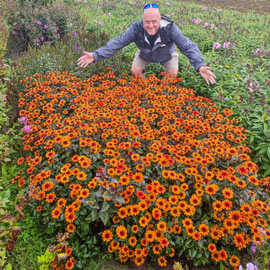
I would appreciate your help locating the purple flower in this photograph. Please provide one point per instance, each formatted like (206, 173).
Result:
(253, 249)
(216, 46)
(13, 32)
(46, 26)
(101, 23)
(168, 4)
(76, 47)
(27, 128)
(226, 45)
(240, 267)
(95, 21)
(74, 33)
(212, 26)
(23, 120)
(42, 38)
(262, 230)
(251, 266)
(38, 22)
(4, 98)
(206, 24)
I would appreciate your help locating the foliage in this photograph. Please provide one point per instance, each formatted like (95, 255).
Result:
(146, 166)
(35, 24)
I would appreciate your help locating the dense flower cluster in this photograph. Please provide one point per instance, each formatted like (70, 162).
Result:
(174, 170)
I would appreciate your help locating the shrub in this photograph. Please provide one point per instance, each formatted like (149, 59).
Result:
(36, 24)
(146, 166)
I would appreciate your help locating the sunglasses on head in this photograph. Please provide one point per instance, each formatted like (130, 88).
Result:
(150, 5)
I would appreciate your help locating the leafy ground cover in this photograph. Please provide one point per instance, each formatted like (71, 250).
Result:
(233, 43)
(256, 7)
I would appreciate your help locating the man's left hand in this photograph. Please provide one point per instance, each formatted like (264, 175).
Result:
(208, 76)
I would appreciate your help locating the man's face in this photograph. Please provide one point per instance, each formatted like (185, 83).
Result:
(151, 20)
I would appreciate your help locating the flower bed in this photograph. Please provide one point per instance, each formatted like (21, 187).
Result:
(166, 172)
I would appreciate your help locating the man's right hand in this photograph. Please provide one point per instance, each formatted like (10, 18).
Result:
(86, 59)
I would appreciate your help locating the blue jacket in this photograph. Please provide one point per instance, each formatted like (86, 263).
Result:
(169, 35)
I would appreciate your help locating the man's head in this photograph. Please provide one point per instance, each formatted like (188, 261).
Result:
(151, 20)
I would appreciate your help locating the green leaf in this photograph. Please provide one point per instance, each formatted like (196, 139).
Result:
(104, 216)
(192, 253)
(120, 199)
(105, 207)
(94, 215)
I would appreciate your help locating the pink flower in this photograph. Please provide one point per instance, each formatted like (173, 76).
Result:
(226, 45)
(38, 22)
(197, 21)
(110, 14)
(206, 24)
(95, 21)
(46, 26)
(36, 40)
(216, 46)
(27, 128)
(168, 4)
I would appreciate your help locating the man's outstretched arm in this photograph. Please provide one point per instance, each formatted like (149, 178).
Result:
(191, 50)
(109, 49)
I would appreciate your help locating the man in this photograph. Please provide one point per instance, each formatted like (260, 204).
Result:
(156, 36)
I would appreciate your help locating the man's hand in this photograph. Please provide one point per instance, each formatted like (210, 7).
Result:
(208, 76)
(86, 59)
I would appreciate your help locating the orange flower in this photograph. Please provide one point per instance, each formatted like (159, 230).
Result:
(56, 212)
(50, 197)
(234, 261)
(212, 247)
(227, 193)
(211, 189)
(121, 232)
(223, 255)
(81, 176)
(164, 242)
(84, 193)
(70, 227)
(132, 241)
(107, 236)
(162, 226)
(47, 186)
(162, 261)
(138, 177)
(203, 229)
(215, 256)
(70, 217)
(150, 236)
